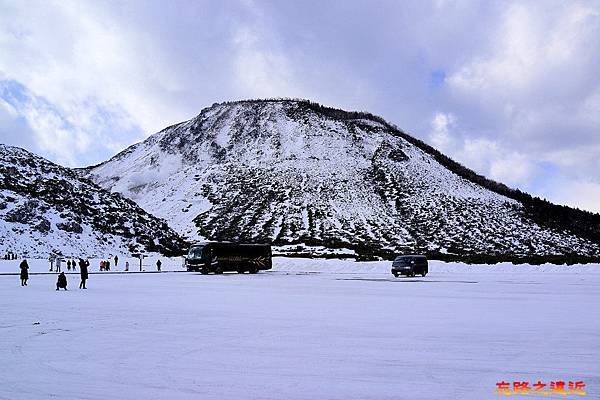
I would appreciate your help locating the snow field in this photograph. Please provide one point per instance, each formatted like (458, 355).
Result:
(308, 329)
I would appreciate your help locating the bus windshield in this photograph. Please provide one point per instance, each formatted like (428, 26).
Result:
(195, 252)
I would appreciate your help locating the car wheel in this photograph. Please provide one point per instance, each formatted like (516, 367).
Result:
(240, 271)
(254, 270)
(204, 271)
(218, 270)
(395, 275)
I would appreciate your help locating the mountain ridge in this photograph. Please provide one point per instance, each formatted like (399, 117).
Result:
(232, 144)
(47, 208)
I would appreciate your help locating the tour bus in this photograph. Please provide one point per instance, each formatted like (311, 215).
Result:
(219, 257)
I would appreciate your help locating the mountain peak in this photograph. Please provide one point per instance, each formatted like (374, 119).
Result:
(294, 172)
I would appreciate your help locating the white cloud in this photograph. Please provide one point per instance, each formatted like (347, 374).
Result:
(260, 70)
(51, 131)
(93, 71)
(497, 162)
(530, 47)
(589, 109)
(512, 168)
(440, 131)
(10, 110)
(532, 94)
(485, 156)
(580, 194)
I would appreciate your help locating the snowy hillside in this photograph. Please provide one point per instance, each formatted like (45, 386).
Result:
(45, 207)
(292, 172)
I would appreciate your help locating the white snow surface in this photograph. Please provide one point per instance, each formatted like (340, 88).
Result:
(308, 329)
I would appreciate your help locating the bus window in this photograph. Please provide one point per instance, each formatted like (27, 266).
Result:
(195, 252)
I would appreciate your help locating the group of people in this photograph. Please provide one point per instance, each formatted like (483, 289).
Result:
(56, 263)
(61, 283)
(105, 264)
(10, 256)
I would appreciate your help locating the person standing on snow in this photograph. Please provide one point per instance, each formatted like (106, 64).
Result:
(116, 261)
(83, 268)
(61, 283)
(58, 260)
(51, 259)
(158, 264)
(126, 265)
(68, 265)
(24, 272)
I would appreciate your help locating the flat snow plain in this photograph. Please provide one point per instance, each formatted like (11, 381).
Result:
(308, 329)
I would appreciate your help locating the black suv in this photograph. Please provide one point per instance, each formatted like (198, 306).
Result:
(410, 265)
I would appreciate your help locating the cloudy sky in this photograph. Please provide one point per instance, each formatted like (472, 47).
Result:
(509, 89)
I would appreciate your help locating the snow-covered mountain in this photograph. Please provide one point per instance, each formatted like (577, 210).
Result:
(45, 207)
(293, 172)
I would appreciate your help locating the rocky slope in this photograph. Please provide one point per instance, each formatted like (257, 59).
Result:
(311, 178)
(45, 207)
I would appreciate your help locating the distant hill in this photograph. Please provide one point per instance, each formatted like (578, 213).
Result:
(293, 172)
(45, 207)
